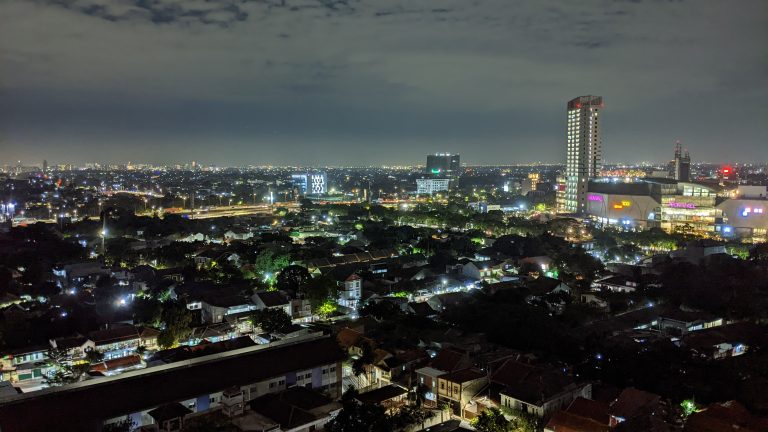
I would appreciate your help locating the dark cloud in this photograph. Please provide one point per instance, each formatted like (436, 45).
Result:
(375, 81)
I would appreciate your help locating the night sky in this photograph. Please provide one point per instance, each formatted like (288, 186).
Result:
(370, 82)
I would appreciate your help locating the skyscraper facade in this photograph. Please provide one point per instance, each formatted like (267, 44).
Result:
(584, 157)
(444, 165)
(682, 164)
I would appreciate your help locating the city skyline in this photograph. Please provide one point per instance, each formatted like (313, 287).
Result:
(363, 83)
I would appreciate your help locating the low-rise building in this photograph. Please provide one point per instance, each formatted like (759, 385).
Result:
(198, 384)
(456, 389)
(536, 390)
(390, 397)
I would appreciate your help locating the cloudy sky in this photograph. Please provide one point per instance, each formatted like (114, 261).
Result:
(237, 82)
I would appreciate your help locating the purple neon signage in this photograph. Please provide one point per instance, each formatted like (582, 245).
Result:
(593, 197)
(674, 204)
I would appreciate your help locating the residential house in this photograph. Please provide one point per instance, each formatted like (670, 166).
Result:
(441, 302)
(725, 341)
(633, 404)
(350, 286)
(213, 332)
(488, 270)
(115, 342)
(148, 338)
(215, 307)
(549, 292)
(353, 341)
(593, 299)
(450, 360)
(422, 309)
(616, 283)
(24, 364)
(456, 389)
(81, 272)
(396, 366)
(74, 347)
(169, 417)
(194, 237)
(678, 322)
(272, 300)
(209, 257)
(427, 380)
(301, 310)
(297, 409)
(543, 263)
(536, 390)
(390, 397)
(231, 235)
(409, 274)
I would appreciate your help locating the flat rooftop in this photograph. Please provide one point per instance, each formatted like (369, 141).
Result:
(84, 406)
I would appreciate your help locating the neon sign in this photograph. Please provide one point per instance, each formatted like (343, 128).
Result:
(596, 198)
(749, 210)
(674, 204)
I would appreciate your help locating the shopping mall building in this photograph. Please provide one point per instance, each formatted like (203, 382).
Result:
(677, 206)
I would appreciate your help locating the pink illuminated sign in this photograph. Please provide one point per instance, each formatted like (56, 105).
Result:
(682, 205)
(597, 198)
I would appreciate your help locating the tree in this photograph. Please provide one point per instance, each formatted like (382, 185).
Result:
(357, 417)
(177, 320)
(491, 420)
(147, 311)
(267, 264)
(66, 374)
(366, 358)
(271, 320)
(521, 421)
(319, 291)
(292, 277)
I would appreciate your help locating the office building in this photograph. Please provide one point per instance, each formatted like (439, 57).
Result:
(445, 165)
(311, 183)
(681, 165)
(584, 156)
(429, 186)
(531, 184)
(560, 193)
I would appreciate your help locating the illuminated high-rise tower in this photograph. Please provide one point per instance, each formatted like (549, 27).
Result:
(682, 164)
(444, 165)
(585, 154)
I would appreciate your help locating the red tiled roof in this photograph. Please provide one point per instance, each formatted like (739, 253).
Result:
(448, 360)
(348, 338)
(591, 409)
(724, 417)
(122, 362)
(564, 421)
(464, 375)
(115, 334)
(633, 402)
